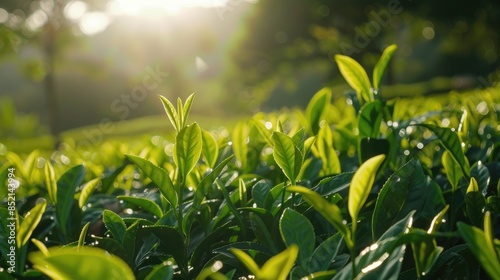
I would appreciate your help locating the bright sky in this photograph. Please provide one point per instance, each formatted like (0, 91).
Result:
(93, 22)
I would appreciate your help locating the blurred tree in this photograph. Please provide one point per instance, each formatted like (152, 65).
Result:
(284, 37)
(42, 23)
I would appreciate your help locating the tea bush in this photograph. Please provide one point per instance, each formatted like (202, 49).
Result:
(361, 187)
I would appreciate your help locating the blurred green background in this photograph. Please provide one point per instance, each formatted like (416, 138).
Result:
(67, 64)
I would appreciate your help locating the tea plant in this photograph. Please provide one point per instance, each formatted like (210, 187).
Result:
(389, 191)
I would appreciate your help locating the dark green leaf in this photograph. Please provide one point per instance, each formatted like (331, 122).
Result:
(114, 224)
(403, 192)
(449, 139)
(369, 119)
(208, 181)
(325, 253)
(66, 186)
(296, 229)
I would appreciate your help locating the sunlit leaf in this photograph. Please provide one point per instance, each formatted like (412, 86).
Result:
(161, 271)
(146, 204)
(240, 143)
(316, 108)
(381, 66)
(331, 212)
(171, 113)
(186, 109)
(452, 169)
(287, 155)
(355, 76)
(249, 263)
(278, 267)
(210, 149)
(87, 191)
(29, 223)
(83, 234)
(50, 182)
(481, 248)
(361, 185)
(69, 264)
(158, 176)
(326, 151)
(187, 151)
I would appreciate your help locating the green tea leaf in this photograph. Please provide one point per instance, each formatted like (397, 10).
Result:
(87, 191)
(361, 185)
(287, 155)
(187, 151)
(210, 149)
(68, 263)
(316, 108)
(161, 271)
(382, 64)
(331, 212)
(50, 182)
(146, 204)
(355, 76)
(449, 139)
(158, 176)
(370, 147)
(83, 234)
(474, 202)
(66, 186)
(249, 263)
(29, 223)
(171, 113)
(263, 131)
(425, 250)
(402, 193)
(115, 224)
(208, 181)
(452, 170)
(171, 241)
(480, 247)
(326, 151)
(279, 266)
(370, 118)
(296, 229)
(325, 253)
(186, 109)
(240, 144)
